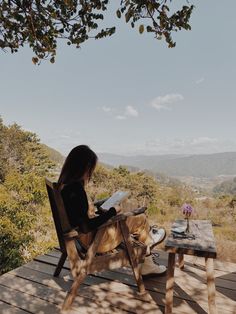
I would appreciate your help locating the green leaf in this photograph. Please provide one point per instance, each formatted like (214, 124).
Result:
(35, 60)
(118, 13)
(128, 15)
(141, 29)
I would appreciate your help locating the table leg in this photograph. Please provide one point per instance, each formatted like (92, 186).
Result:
(210, 285)
(181, 261)
(170, 283)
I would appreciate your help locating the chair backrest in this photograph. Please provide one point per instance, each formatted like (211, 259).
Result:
(59, 214)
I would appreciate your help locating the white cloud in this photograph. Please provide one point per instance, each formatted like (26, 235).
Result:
(198, 145)
(203, 140)
(165, 102)
(199, 81)
(165, 146)
(120, 117)
(106, 109)
(131, 111)
(64, 136)
(68, 134)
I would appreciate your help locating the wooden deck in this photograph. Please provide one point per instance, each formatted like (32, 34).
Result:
(32, 289)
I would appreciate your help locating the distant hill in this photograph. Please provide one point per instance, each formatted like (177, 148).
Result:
(209, 165)
(54, 155)
(226, 187)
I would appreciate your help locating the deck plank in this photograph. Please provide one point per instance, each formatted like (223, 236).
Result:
(9, 309)
(113, 292)
(26, 302)
(195, 289)
(218, 265)
(56, 293)
(33, 289)
(56, 296)
(104, 291)
(158, 290)
(193, 295)
(95, 283)
(119, 287)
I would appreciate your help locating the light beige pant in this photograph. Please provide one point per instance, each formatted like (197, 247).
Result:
(112, 237)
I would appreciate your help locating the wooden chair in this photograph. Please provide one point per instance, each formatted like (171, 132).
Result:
(83, 263)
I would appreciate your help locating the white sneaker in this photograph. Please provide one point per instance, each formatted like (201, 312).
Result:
(151, 268)
(157, 235)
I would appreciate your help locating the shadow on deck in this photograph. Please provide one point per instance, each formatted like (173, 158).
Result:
(33, 289)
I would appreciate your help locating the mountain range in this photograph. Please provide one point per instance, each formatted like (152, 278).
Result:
(204, 165)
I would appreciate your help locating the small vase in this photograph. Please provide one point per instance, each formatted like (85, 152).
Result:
(187, 227)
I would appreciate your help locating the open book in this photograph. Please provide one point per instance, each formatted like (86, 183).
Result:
(115, 199)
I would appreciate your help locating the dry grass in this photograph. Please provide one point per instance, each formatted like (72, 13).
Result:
(226, 250)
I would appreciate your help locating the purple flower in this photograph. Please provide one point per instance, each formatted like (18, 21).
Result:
(187, 210)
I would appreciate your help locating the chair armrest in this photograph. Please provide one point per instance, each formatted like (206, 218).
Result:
(123, 216)
(135, 212)
(112, 220)
(71, 234)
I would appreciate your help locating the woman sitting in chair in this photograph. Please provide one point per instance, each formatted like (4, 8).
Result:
(75, 174)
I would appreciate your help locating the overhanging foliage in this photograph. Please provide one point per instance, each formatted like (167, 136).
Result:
(40, 23)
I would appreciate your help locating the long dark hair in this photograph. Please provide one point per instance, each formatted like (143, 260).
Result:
(80, 160)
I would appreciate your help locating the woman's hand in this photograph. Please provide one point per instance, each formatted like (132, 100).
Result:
(118, 209)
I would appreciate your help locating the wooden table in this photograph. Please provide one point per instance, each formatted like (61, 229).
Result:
(203, 246)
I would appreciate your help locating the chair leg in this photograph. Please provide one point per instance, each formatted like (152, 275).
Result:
(73, 291)
(138, 277)
(60, 264)
(133, 261)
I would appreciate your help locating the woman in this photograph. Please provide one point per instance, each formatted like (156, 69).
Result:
(75, 174)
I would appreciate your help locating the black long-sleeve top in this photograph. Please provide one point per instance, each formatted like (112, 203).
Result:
(76, 205)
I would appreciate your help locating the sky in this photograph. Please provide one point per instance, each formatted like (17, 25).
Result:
(131, 94)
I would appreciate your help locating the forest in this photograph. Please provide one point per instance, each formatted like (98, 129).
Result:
(26, 225)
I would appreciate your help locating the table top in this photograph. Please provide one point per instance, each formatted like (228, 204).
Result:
(203, 244)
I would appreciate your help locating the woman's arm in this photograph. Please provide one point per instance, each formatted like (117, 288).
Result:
(98, 205)
(76, 205)
(87, 224)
